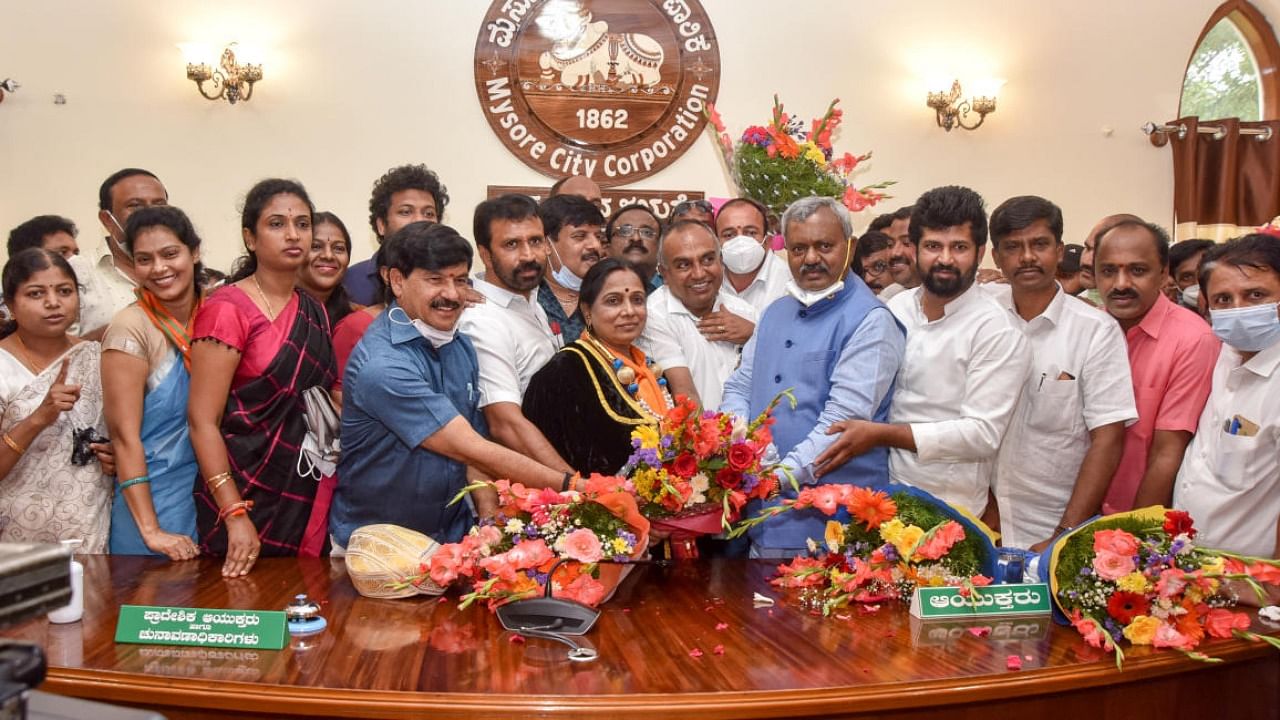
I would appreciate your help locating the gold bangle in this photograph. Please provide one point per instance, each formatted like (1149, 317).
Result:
(217, 481)
(13, 445)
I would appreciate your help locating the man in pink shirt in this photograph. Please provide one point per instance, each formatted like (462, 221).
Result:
(1172, 352)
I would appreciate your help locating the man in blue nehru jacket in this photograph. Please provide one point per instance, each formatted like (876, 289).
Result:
(836, 347)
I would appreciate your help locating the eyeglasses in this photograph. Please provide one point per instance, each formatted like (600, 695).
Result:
(626, 231)
(687, 205)
(876, 268)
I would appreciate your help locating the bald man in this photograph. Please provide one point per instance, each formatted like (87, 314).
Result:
(579, 185)
(1087, 281)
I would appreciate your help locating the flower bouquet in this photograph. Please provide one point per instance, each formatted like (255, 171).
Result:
(695, 471)
(780, 163)
(895, 542)
(511, 555)
(1139, 576)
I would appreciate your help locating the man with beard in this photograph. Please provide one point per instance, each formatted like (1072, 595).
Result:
(837, 348)
(752, 272)
(632, 234)
(1171, 356)
(575, 228)
(966, 363)
(1067, 432)
(902, 257)
(510, 330)
(695, 365)
(412, 430)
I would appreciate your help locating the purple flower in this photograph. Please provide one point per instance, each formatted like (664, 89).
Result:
(890, 552)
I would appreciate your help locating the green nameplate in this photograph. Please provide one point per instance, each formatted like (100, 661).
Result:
(1010, 599)
(202, 627)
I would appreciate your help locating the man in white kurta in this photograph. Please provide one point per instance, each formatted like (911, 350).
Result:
(510, 331)
(1230, 476)
(964, 367)
(689, 257)
(1067, 433)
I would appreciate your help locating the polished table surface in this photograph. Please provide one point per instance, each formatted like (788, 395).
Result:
(674, 641)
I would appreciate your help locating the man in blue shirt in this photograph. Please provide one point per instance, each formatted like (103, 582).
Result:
(836, 347)
(412, 430)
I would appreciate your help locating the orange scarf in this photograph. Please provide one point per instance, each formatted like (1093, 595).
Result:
(649, 391)
(165, 322)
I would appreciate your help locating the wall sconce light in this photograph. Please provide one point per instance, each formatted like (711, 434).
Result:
(230, 79)
(951, 110)
(8, 85)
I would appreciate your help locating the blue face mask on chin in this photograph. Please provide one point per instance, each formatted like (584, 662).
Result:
(1248, 329)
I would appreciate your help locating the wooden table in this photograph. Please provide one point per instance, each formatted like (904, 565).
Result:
(422, 656)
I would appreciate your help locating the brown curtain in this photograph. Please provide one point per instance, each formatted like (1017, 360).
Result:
(1227, 184)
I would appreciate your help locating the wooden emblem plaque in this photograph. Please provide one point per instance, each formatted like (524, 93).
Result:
(610, 89)
(661, 202)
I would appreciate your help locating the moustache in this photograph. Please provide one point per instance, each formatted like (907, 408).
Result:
(944, 268)
(1122, 295)
(1037, 268)
(636, 245)
(899, 260)
(532, 266)
(590, 255)
(443, 304)
(815, 267)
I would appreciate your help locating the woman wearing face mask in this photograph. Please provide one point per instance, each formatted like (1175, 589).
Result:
(589, 397)
(259, 346)
(51, 486)
(145, 380)
(1230, 476)
(322, 272)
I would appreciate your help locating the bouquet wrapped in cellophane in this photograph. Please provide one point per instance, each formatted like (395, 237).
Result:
(695, 471)
(1139, 576)
(893, 543)
(511, 555)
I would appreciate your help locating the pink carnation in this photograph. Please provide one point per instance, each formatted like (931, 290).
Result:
(1111, 565)
(583, 545)
(584, 589)
(1167, 636)
(1089, 629)
(1172, 582)
(1116, 541)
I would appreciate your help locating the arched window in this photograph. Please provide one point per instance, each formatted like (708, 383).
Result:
(1232, 72)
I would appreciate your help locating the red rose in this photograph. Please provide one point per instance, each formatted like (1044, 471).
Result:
(729, 478)
(1125, 606)
(1177, 522)
(685, 466)
(741, 456)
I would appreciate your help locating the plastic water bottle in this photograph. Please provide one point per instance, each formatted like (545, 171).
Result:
(75, 609)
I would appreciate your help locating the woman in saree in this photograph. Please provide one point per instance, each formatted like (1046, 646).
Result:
(259, 346)
(52, 487)
(146, 356)
(594, 392)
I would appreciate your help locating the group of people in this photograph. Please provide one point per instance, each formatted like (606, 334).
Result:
(150, 406)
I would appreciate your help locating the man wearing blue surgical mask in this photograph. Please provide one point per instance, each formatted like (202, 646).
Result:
(1230, 478)
(575, 228)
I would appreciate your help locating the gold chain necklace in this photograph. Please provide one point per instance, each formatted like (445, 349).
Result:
(271, 313)
(26, 355)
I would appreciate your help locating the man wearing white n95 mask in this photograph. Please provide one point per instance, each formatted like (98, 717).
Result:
(1230, 476)
(752, 272)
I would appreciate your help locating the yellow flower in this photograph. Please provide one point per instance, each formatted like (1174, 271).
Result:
(1142, 630)
(906, 542)
(1134, 582)
(648, 435)
(644, 481)
(834, 535)
(890, 531)
(1214, 566)
(814, 153)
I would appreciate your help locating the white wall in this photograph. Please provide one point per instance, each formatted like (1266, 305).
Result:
(354, 88)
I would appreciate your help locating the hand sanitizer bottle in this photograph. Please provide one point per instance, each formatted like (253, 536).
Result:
(75, 610)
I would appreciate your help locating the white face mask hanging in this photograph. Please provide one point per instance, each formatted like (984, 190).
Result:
(437, 337)
(564, 276)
